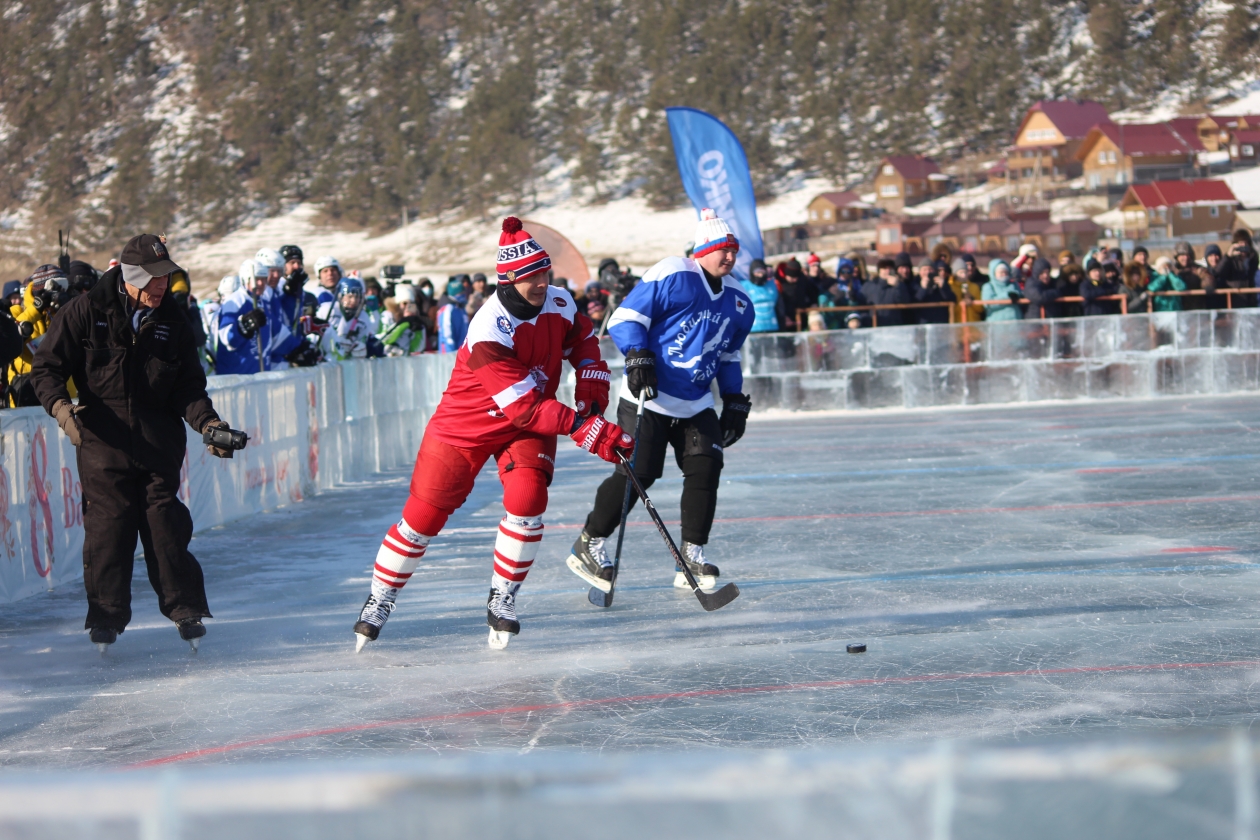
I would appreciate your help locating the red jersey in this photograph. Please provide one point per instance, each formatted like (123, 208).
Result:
(507, 372)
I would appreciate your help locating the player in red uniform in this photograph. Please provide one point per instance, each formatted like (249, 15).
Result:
(501, 403)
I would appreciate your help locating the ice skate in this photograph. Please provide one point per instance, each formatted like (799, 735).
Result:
(103, 637)
(706, 574)
(501, 616)
(373, 617)
(191, 630)
(590, 562)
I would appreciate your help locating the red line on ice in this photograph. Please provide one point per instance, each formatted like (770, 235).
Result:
(681, 695)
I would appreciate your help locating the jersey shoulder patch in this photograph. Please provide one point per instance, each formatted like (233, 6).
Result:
(560, 302)
(492, 323)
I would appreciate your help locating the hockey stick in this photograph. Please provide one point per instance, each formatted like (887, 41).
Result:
(709, 600)
(597, 596)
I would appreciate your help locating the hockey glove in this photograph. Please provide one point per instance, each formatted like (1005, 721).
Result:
(294, 282)
(598, 436)
(641, 373)
(251, 321)
(44, 298)
(735, 409)
(305, 354)
(66, 412)
(590, 395)
(216, 451)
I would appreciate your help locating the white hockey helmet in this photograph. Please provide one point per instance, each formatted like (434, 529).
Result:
(269, 257)
(326, 262)
(229, 284)
(251, 268)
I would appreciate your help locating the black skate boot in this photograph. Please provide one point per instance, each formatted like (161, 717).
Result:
(373, 617)
(706, 574)
(590, 562)
(501, 616)
(103, 637)
(191, 630)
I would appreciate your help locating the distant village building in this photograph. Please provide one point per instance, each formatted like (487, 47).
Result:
(1230, 129)
(1203, 128)
(905, 180)
(835, 207)
(1243, 147)
(1170, 210)
(1048, 137)
(1112, 153)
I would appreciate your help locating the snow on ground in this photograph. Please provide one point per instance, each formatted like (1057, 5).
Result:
(1246, 185)
(626, 229)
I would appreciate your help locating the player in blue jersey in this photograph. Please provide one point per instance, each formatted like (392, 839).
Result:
(680, 328)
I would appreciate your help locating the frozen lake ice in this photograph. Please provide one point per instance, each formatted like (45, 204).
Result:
(1029, 575)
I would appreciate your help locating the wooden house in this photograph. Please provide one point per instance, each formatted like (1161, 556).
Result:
(905, 180)
(1048, 137)
(1168, 210)
(1243, 147)
(831, 208)
(1112, 153)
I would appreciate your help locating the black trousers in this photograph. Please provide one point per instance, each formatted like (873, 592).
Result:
(122, 501)
(697, 445)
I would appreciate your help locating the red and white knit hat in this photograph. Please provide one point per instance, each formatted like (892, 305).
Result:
(520, 255)
(713, 234)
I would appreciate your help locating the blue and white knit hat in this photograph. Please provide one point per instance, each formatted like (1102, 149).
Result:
(713, 234)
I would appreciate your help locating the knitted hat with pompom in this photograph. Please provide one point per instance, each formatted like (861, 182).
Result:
(713, 234)
(520, 255)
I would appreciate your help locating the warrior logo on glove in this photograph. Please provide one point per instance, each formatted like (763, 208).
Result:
(590, 395)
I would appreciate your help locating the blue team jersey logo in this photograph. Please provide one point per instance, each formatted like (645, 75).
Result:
(699, 343)
(504, 323)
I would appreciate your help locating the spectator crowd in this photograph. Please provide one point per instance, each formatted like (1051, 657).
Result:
(272, 314)
(793, 297)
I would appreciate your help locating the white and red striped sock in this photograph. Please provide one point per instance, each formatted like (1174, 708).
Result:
(399, 554)
(515, 549)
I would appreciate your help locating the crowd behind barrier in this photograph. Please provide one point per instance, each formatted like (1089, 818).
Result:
(310, 429)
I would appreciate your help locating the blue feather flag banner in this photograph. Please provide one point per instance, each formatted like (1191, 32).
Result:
(715, 174)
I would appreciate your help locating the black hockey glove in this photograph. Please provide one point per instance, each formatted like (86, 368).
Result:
(735, 408)
(641, 373)
(294, 282)
(304, 355)
(251, 321)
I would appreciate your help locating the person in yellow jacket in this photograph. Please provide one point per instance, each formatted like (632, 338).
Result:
(966, 289)
(45, 290)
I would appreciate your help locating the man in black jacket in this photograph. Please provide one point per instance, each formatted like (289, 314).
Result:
(134, 359)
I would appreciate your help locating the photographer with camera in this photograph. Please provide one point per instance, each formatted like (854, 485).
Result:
(1237, 269)
(47, 289)
(134, 356)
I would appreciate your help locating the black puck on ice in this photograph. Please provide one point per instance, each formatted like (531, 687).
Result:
(856, 647)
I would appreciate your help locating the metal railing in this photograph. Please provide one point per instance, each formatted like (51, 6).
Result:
(802, 315)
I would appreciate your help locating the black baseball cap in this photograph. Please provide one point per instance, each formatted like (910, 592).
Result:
(145, 257)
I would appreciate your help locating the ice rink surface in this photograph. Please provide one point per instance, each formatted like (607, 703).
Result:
(1019, 575)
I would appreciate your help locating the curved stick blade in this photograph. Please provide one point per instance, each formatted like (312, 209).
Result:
(599, 597)
(716, 600)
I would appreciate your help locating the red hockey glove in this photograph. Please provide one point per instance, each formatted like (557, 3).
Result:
(590, 396)
(604, 439)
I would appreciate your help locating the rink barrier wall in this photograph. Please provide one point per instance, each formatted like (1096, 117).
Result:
(1200, 785)
(310, 430)
(1106, 357)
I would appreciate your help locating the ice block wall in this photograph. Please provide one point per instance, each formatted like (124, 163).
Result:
(1134, 356)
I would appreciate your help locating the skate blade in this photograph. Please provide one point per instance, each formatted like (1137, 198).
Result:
(576, 567)
(359, 641)
(707, 583)
(499, 639)
(102, 647)
(193, 643)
